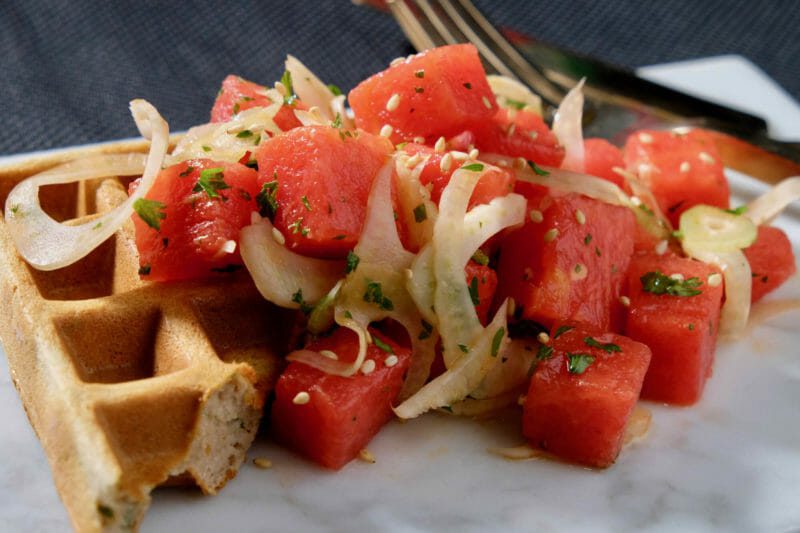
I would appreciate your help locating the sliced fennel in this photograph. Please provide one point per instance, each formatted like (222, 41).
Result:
(710, 228)
(568, 128)
(767, 206)
(512, 94)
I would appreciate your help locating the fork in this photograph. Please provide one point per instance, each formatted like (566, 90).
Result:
(607, 114)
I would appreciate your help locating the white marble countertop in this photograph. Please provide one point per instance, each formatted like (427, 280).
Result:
(732, 463)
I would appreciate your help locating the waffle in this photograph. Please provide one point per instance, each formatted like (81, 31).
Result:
(130, 384)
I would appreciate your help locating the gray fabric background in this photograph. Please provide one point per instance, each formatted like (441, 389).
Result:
(70, 67)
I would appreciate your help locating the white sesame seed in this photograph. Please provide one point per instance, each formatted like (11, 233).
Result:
(580, 217)
(543, 337)
(366, 456)
(301, 398)
(278, 236)
(579, 272)
(676, 276)
(229, 247)
(512, 306)
(646, 138)
(624, 300)
(368, 337)
(661, 247)
(446, 163)
(714, 280)
(533, 134)
(262, 463)
(281, 88)
(550, 235)
(511, 129)
(396, 61)
(412, 161)
(705, 157)
(644, 169)
(391, 361)
(520, 163)
(409, 273)
(536, 216)
(393, 102)
(636, 201)
(368, 367)
(512, 114)
(386, 131)
(487, 103)
(685, 167)
(419, 140)
(329, 354)
(459, 156)
(440, 146)
(473, 154)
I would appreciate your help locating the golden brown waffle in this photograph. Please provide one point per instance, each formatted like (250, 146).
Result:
(131, 384)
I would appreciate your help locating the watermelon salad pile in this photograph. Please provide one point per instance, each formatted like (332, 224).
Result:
(448, 250)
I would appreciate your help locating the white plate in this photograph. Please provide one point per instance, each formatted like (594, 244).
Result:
(730, 463)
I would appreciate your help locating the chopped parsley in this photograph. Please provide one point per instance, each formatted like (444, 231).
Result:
(267, 199)
(464, 348)
(186, 172)
(244, 134)
(496, 340)
(306, 204)
(468, 86)
(150, 211)
(374, 294)
(658, 283)
(420, 74)
(537, 169)
(348, 314)
(105, 510)
(236, 108)
(544, 352)
(98, 225)
(516, 104)
(646, 209)
(577, 363)
(206, 148)
(419, 90)
(351, 263)
(15, 209)
(420, 213)
(427, 330)
(480, 257)
(473, 292)
(474, 167)
(561, 330)
(741, 210)
(691, 327)
(144, 270)
(298, 299)
(606, 347)
(286, 81)
(382, 345)
(297, 227)
(211, 181)
(334, 89)
(587, 239)
(337, 121)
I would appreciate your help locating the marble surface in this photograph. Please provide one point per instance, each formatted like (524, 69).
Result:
(732, 463)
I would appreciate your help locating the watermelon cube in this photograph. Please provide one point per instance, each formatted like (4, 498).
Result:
(582, 394)
(519, 134)
(771, 261)
(680, 328)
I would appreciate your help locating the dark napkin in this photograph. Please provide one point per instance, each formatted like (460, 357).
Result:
(68, 68)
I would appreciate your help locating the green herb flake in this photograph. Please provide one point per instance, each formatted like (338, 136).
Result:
(741, 210)
(186, 172)
(691, 327)
(206, 148)
(658, 283)
(587, 239)
(144, 270)
(497, 340)
(211, 181)
(544, 352)
(351, 263)
(577, 363)
(516, 104)
(473, 292)
(420, 213)
(374, 294)
(561, 330)
(420, 74)
(267, 199)
(468, 86)
(150, 211)
(447, 408)
(244, 134)
(464, 348)
(382, 345)
(286, 81)
(473, 167)
(306, 204)
(334, 89)
(348, 314)
(537, 169)
(480, 257)
(297, 227)
(606, 347)
(298, 299)
(427, 330)
(646, 209)
(236, 108)
(98, 225)
(419, 90)
(337, 121)
(105, 510)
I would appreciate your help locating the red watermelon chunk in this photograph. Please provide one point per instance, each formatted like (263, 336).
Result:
(238, 94)
(201, 206)
(681, 331)
(438, 92)
(323, 178)
(682, 170)
(482, 281)
(600, 158)
(557, 268)
(342, 414)
(583, 393)
(771, 261)
(519, 134)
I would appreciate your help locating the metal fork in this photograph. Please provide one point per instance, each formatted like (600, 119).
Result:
(607, 113)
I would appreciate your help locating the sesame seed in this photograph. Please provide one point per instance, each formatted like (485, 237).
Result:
(533, 134)
(391, 361)
(386, 131)
(278, 236)
(511, 129)
(661, 247)
(543, 337)
(419, 140)
(521, 399)
(459, 156)
(536, 216)
(393, 102)
(520, 163)
(685, 167)
(580, 217)
(281, 88)
(446, 163)
(409, 273)
(229, 247)
(705, 157)
(396, 61)
(301, 398)
(487, 103)
(550, 235)
(645, 169)
(368, 337)
(262, 463)
(714, 280)
(579, 272)
(329, 354)
(368, 367)
(366, 456)
(473, 154)
(636, 201)
(440, 146)
(512, 306)
(413, 160)
(677, 276)
(646, 138)
(624, 300)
